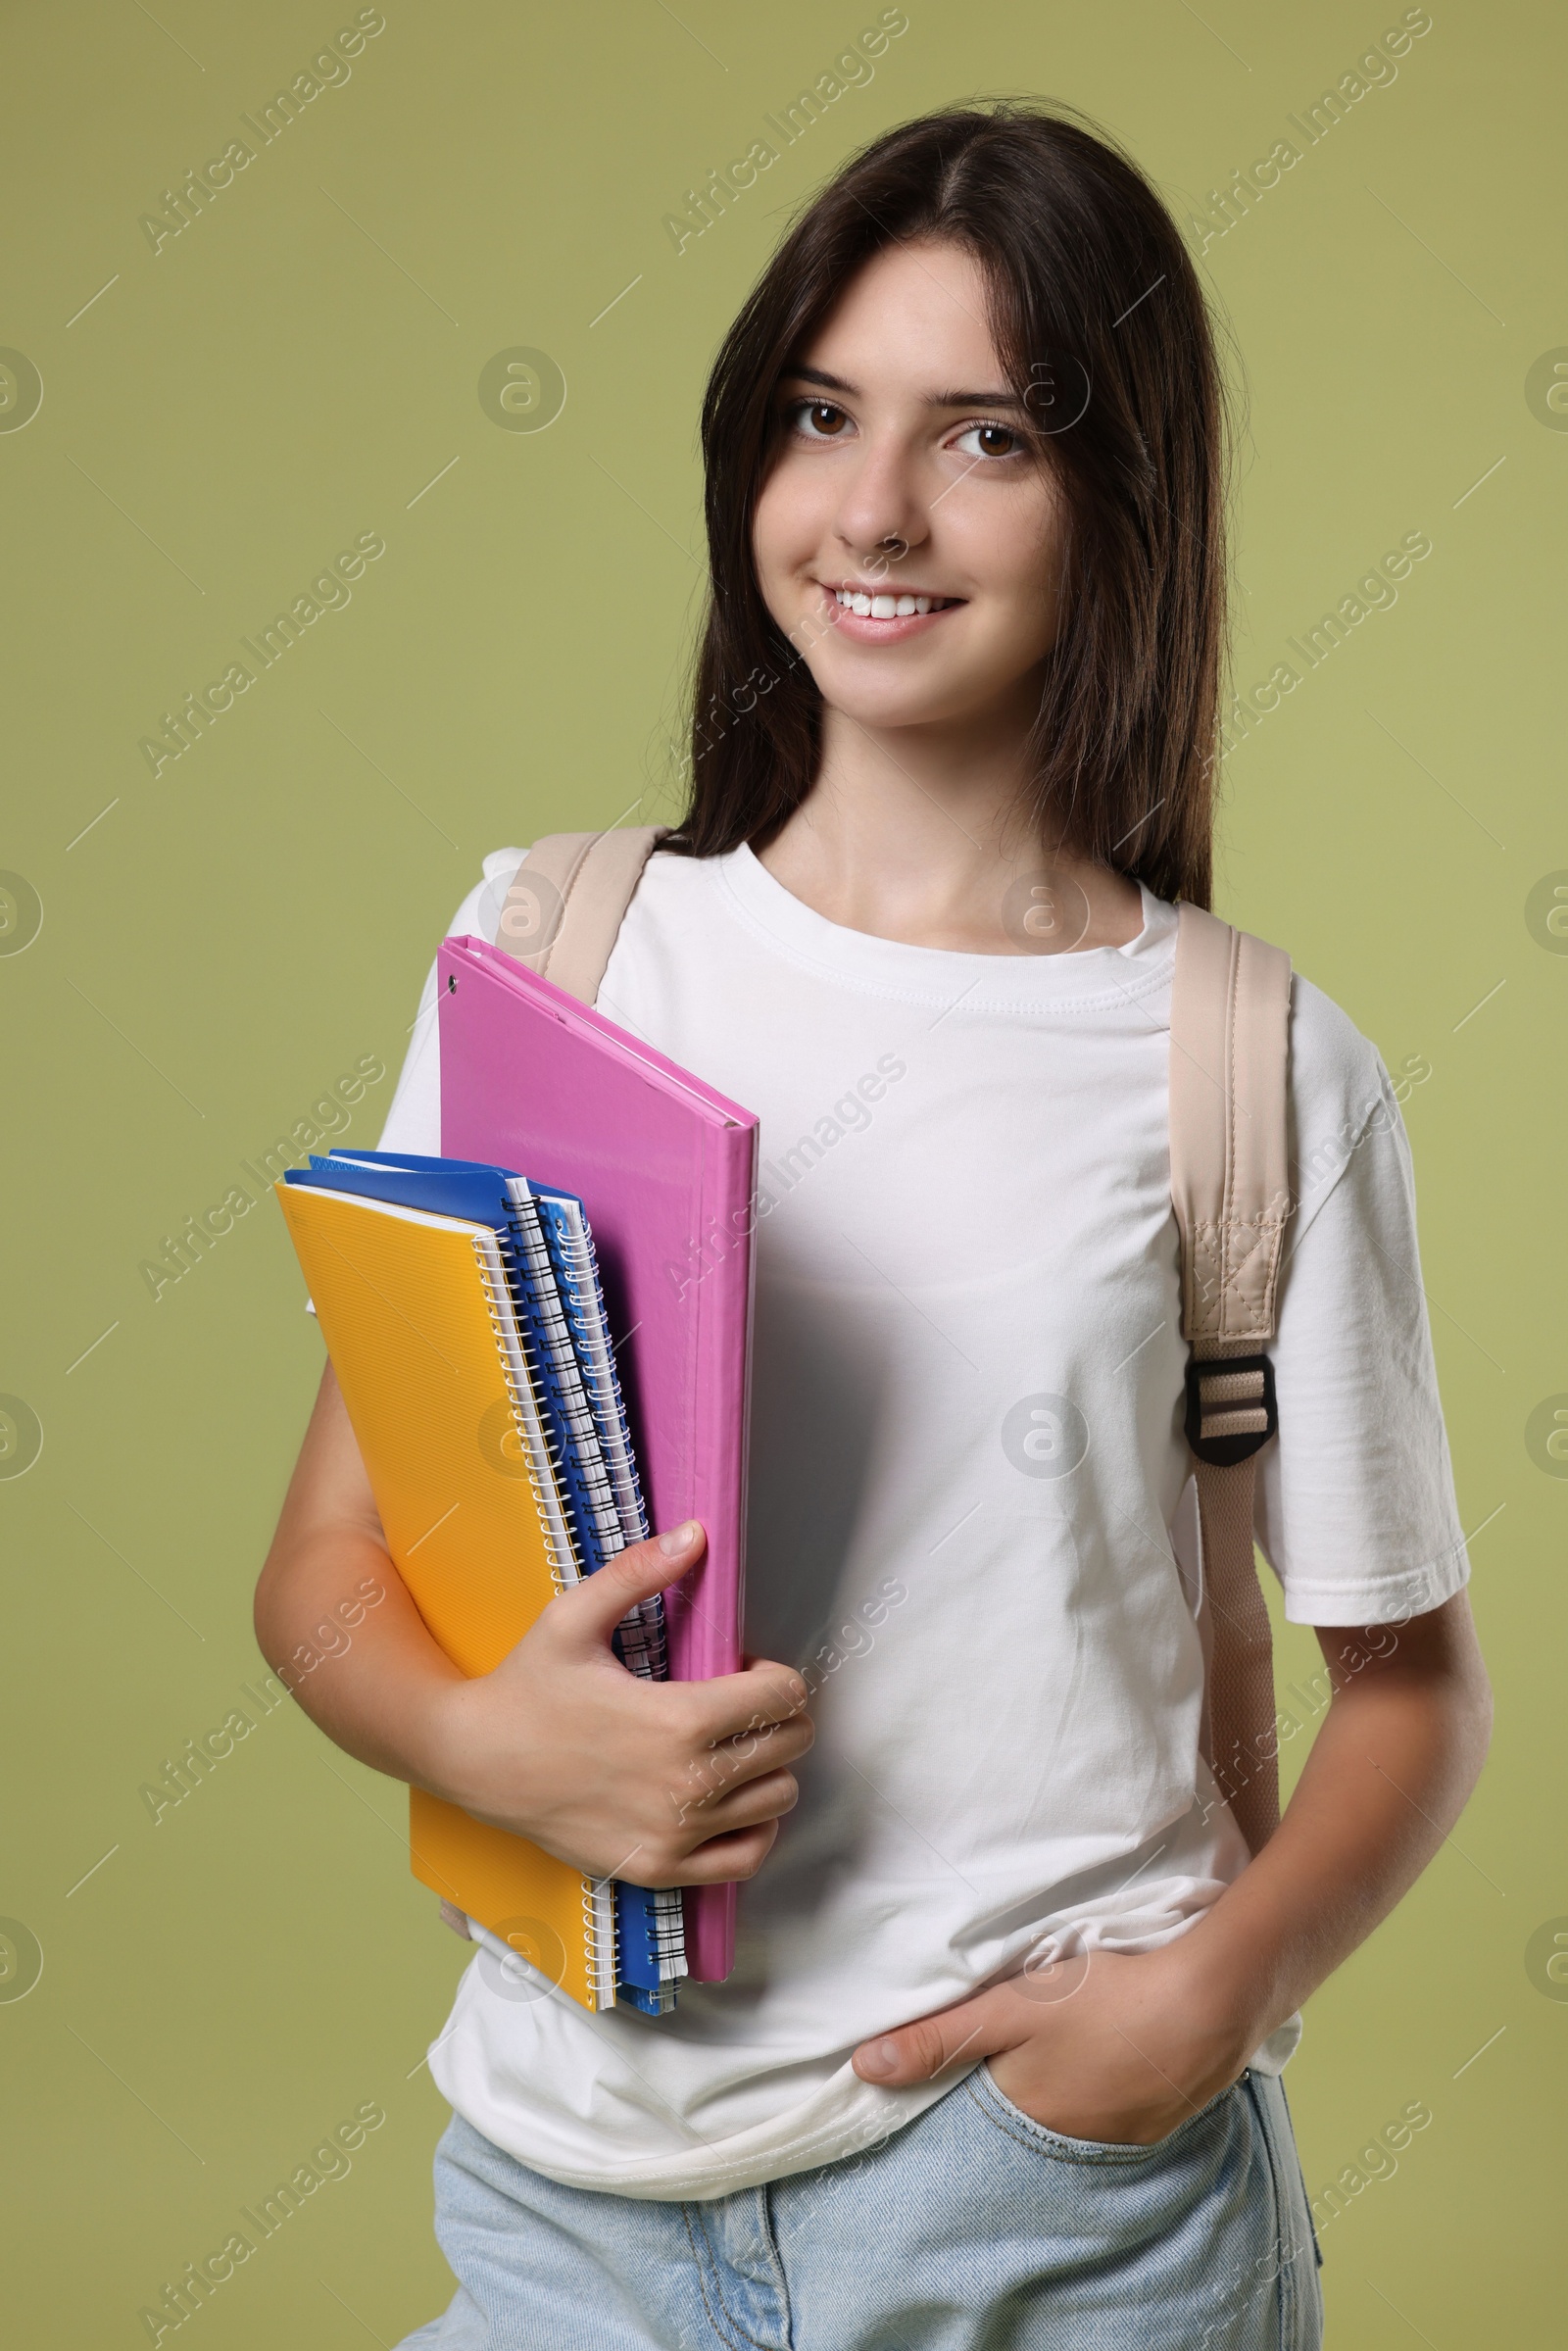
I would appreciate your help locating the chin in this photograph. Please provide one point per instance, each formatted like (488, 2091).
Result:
(889, 701)
(880, 708)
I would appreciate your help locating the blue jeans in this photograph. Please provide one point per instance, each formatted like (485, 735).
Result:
(972, 2228)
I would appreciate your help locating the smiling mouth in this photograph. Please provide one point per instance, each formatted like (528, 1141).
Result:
(869, 606)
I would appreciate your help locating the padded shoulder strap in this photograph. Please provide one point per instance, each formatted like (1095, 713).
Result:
(565, 907)
(1229, 1180)
(1229, 1161)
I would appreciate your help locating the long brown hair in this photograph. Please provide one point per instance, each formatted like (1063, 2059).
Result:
(1101, 324)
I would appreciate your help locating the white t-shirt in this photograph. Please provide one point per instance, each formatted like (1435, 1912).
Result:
(971, 1520)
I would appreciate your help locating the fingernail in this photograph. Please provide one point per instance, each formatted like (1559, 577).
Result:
(678, 1538)
(879, 2058)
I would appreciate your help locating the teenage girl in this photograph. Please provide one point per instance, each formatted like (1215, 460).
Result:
(1000, 2060)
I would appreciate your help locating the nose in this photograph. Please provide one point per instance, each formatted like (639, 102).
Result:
(882, 512)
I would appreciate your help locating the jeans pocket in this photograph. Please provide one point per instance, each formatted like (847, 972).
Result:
(1001, 2109)
(1301, 2294)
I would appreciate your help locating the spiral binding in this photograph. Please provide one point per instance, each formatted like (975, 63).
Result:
(586, 1398)
(640, 1641)
(599, 1937)
(580, 1265)
(640, 1637)
(566, 1569)
(567, 1384)
(669, 1935)
(513, 1348)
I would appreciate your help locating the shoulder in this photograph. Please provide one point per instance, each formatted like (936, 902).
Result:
(1340, 1095)
(479, 914)
(1335, 1077)
(668, 879)
(674, 905)
(1331, 1062)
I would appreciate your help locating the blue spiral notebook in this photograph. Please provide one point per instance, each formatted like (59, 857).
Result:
(547, 1248)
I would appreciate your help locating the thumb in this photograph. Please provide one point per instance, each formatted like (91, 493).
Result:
(974, 2029)
(592, 1609)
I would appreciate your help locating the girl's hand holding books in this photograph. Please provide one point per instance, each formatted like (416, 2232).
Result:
(658, 1783)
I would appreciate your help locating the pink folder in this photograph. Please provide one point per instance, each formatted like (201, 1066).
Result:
(665, 1167)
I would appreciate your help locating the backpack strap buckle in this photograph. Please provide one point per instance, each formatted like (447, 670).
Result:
(1231, 1409)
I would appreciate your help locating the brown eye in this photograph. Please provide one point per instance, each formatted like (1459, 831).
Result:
(818, 419)
(989, 441)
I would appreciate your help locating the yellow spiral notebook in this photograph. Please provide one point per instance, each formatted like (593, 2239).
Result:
(418, 1320)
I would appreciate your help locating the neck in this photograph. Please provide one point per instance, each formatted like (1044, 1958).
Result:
(915, 834)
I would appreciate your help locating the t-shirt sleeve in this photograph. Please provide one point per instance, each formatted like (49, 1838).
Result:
(1355, 1507)
(414, 1121)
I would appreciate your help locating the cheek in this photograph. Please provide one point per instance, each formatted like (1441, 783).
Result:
(791, 526)
(1025, 540)
(1008, 539)
(787, 524)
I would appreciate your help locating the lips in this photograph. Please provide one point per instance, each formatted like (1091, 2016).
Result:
(883, 616)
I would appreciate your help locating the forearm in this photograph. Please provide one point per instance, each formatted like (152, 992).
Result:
(1388, 1774)
(558, 1742)
(336, 1624)
(375, 1683)
(1124, 2047)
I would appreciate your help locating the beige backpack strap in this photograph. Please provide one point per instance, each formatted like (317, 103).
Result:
(564, 906)
(1229, 1161)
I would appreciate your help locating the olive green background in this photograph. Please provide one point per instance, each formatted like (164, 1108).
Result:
(300, 365)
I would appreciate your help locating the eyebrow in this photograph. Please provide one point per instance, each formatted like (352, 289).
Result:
(836, 383)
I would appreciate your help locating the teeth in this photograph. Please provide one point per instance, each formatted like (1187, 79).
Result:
(888, 607)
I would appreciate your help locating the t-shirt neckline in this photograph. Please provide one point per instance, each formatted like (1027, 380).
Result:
(1088, 976)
